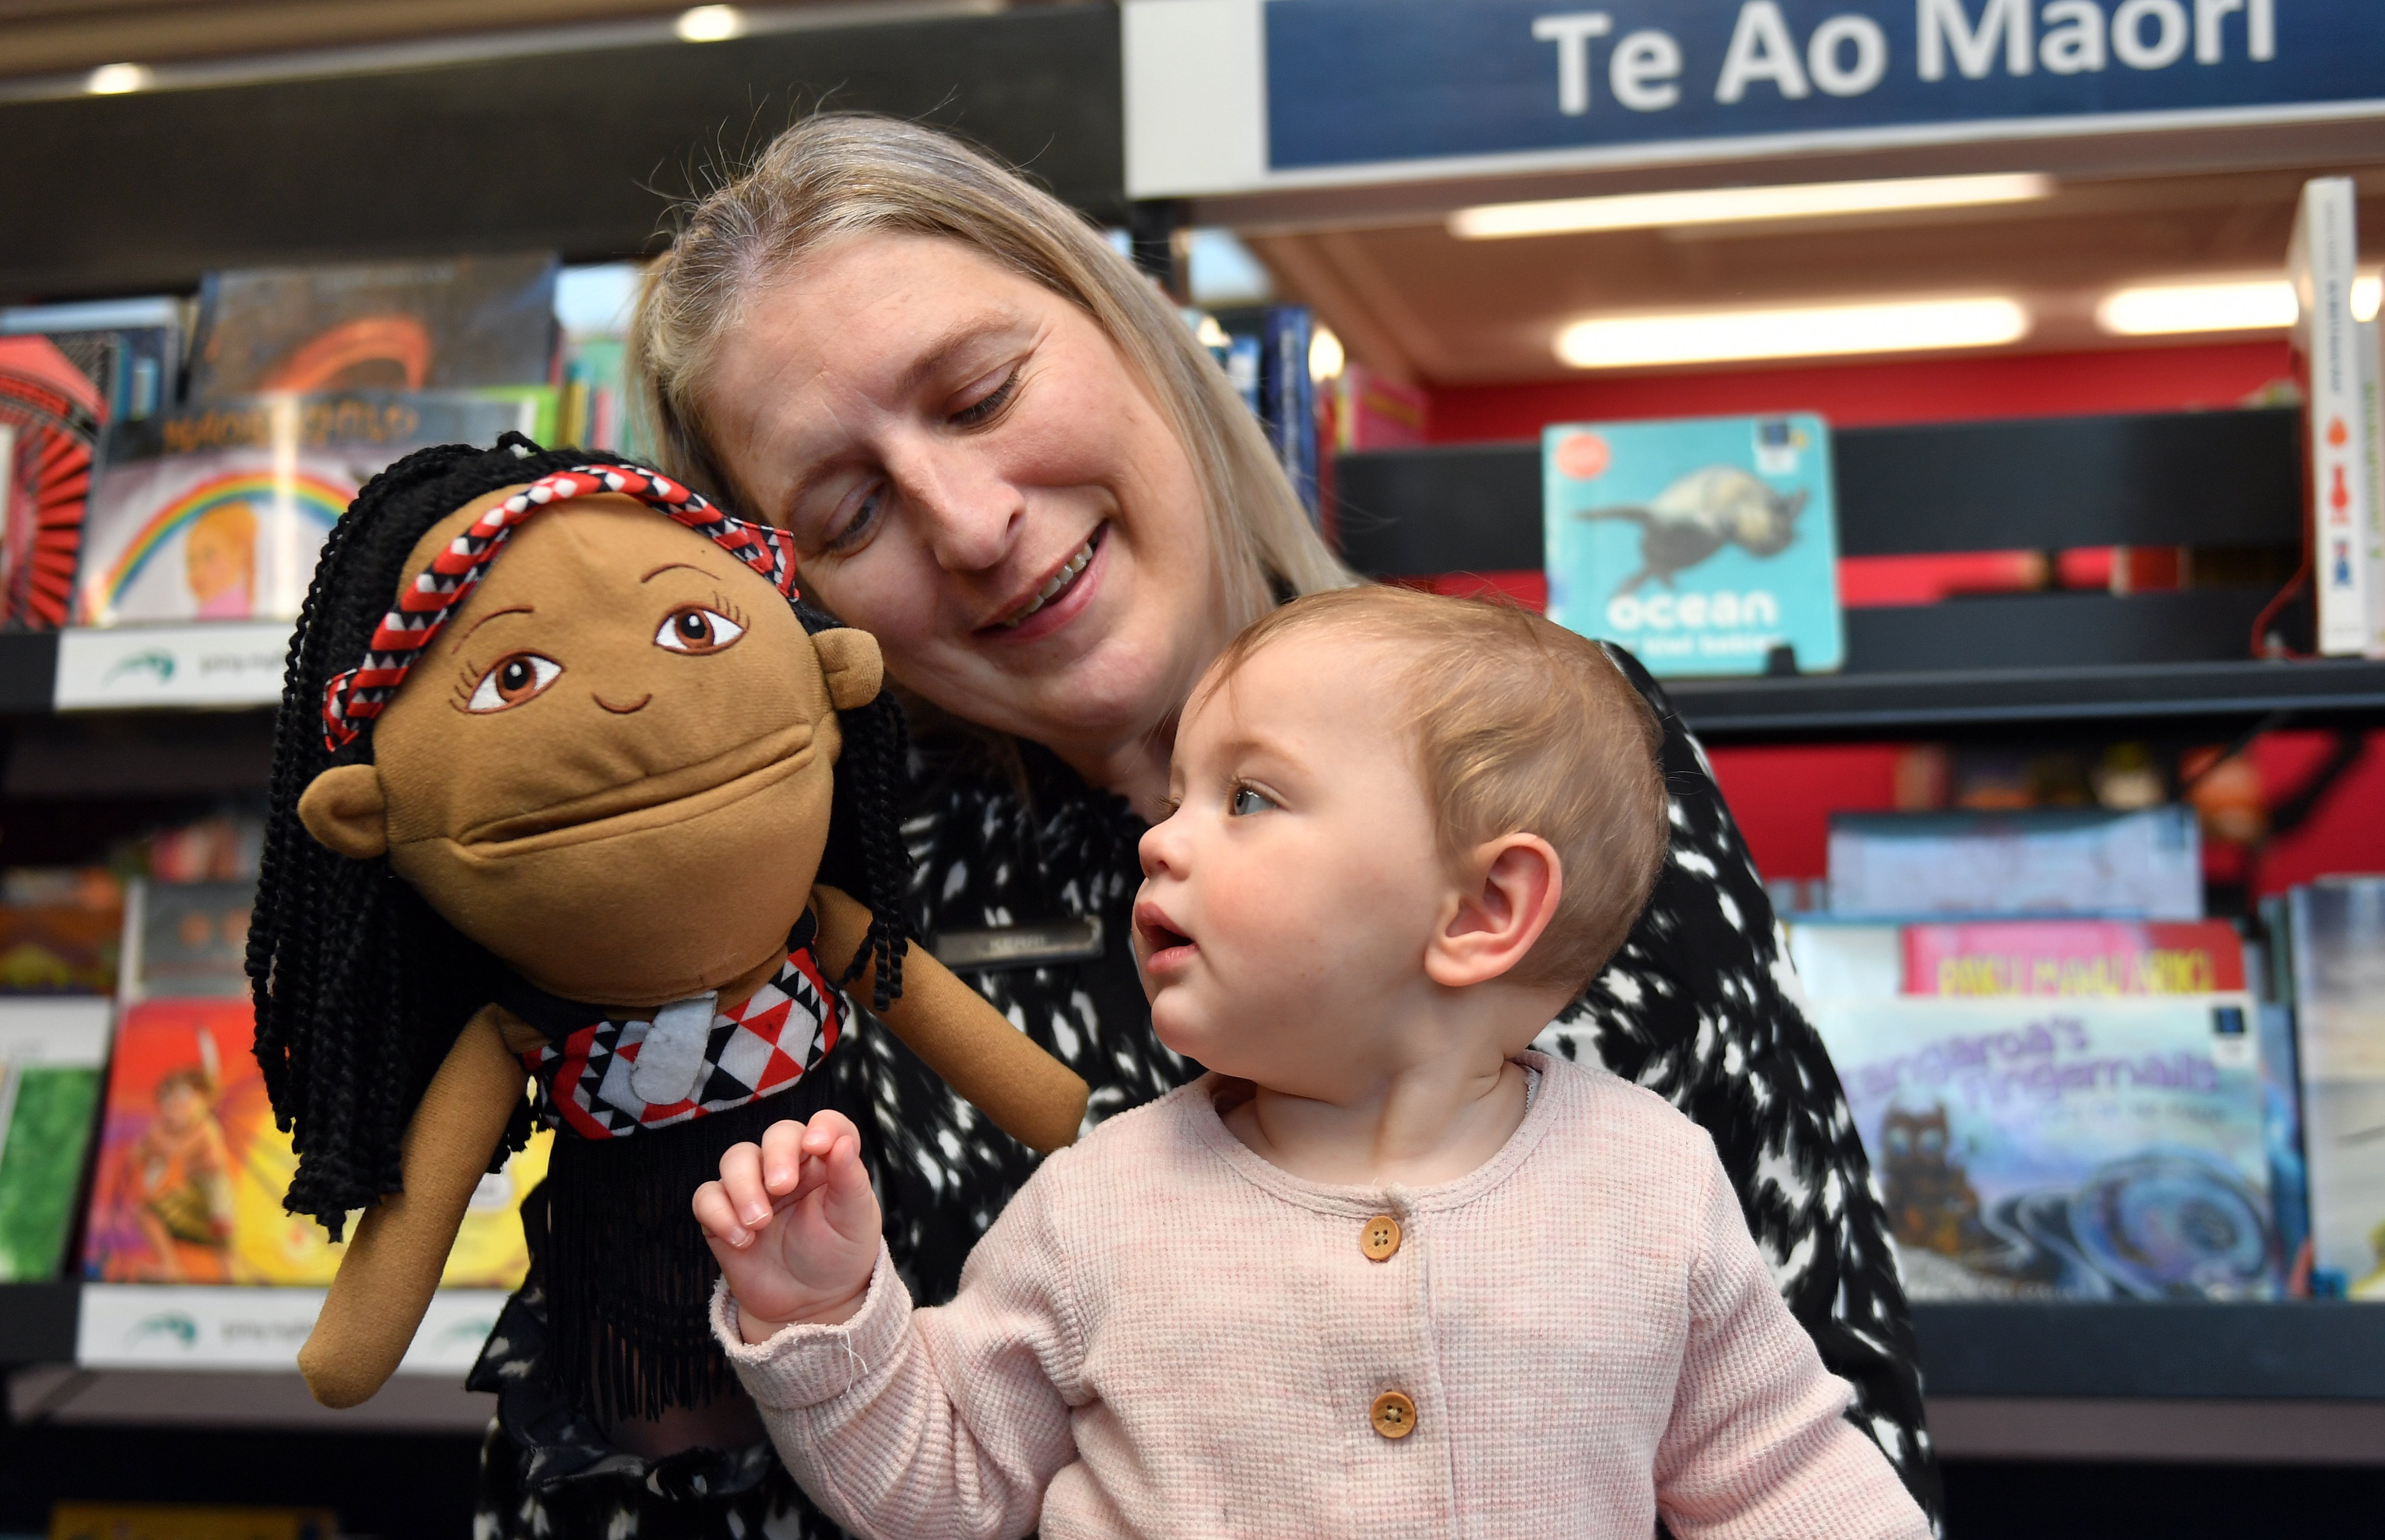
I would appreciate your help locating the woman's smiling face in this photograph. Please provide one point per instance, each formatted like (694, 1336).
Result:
(975, 473)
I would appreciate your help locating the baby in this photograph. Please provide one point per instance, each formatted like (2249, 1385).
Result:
(1382, 1271)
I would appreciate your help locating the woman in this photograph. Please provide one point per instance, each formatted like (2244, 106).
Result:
(999, 450)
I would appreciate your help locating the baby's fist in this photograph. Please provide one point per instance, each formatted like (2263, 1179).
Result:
(793, 1224)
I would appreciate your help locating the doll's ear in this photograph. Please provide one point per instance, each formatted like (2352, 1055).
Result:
(850, 660)
(345, 812)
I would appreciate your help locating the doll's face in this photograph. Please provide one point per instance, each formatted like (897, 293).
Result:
(612, 767)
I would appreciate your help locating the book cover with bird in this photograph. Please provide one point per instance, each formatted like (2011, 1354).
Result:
(1707, 545)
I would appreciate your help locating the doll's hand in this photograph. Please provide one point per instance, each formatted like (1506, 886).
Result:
(793, 1224)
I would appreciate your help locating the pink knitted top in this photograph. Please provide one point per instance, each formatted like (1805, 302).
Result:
(1165, 1335)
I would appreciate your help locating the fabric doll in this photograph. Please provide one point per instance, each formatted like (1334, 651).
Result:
(568, 819)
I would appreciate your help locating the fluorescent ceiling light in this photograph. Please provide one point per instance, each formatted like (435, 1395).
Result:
(2367, 291)
(1805, 331)
(2160, 310)
(115, 80)
(710, 23)
(1326, 357)
(1738, 204)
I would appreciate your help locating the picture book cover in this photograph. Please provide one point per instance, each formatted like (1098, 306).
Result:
(2322, 261)
(1702, 544)
(188, 941)
(2090, 1148)
(191, 1172)
(1847, 961)
(59, 948)
(2074, 956)
(2047, 861)
(217, 512)
(447, 324)
(55, 415)
(52, 1056)
(2338, 929)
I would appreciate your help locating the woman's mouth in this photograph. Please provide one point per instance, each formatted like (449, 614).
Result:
(1057, 588)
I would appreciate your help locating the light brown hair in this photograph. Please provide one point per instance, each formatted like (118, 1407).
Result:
(1520, 727)
(839, 175)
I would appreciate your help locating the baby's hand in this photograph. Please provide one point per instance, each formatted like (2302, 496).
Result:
(793, 1224)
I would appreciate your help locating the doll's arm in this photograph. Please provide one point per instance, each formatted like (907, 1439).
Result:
(989, 1063)
(401, 1244)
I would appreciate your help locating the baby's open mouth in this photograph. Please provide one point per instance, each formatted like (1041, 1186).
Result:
(1157, 934)
(1058, 583)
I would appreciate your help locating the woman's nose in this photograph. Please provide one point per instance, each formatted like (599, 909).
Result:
(969, 514)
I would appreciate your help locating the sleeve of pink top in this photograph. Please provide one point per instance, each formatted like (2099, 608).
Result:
(936, 1423)
(1759, 1447)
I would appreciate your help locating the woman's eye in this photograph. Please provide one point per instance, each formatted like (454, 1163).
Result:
(855, 530)
(990, 402)
(697, 629)
(511, 681)
(1247, 801)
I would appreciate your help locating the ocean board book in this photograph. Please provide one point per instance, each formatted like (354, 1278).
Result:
(191, 1172)
(2085, 1149)
(1702, 544)
(218, 512)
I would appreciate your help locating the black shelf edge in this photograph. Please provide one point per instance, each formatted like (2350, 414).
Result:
(2298, 1350)
(37, 1322)
(1883, 705)
(29, 671)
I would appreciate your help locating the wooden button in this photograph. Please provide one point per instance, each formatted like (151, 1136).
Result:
(1392, 1414)
(1379, 1238)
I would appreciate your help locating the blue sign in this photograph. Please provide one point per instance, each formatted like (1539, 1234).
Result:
(1360, 81)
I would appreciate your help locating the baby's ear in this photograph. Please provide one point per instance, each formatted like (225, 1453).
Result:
(346, 813)
(850, 660)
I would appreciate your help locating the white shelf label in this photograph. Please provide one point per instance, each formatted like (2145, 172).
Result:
(221, 663)
(185, 1326)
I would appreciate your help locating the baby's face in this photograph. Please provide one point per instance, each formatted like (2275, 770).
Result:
(1293, 890)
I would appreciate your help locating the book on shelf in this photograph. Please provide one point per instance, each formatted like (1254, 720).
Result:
(1847, 960)
(1373, 411)
(1707, 545)
(444, 324)
(187, 941)
(2337, 930)
(81, 1520)
(191, 1172)
(216, 511)
(61, 946)
(2322, 260)
(2048, 861)
(53, 1053)
(2073, 957)
(130, 349)
(54, 415)
(2091, 1147)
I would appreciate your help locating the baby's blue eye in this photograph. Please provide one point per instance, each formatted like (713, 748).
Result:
(1248, 801)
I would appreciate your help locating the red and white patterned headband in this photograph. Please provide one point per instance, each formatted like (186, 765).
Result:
(355, 698)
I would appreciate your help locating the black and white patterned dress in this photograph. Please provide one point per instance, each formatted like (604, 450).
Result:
(1699, 1006)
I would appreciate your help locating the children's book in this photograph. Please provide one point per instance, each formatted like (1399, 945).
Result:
(2322, 260)
(218, 512)
(55, 415)
(187, 941)
(1847, 961)
(2088, 1148)
(190, 1522)
(130, 349)
(1705, 545)
(2073, 957)
(192, 1173)
(2144, 864)
(52, 1056)
(60, 947)
(447, 324)
(2338, 929)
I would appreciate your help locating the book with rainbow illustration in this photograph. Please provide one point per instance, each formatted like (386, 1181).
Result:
(216, 512)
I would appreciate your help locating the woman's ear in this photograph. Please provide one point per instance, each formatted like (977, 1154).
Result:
(1499, 910)
(345, 810)
(850, 660)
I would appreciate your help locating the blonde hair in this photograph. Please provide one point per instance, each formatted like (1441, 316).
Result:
(843, 174)
(1521, 727)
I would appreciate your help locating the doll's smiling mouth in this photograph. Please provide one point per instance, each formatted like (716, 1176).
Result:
(651, 801)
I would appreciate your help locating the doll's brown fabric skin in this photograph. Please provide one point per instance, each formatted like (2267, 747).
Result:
(645, 825)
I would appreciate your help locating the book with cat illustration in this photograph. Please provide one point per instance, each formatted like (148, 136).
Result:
(1707, 545)
(2087, 1147)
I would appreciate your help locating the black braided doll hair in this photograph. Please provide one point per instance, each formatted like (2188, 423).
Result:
(360, 988)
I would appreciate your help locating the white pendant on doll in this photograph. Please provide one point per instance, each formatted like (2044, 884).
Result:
(672, 1054)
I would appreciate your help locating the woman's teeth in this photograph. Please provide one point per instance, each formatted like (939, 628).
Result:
(1060, 580)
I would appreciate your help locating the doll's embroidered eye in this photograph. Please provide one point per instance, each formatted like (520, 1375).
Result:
(697, 629)
(513, 681)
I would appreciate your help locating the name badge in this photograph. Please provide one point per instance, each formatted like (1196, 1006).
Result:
(1021, 945)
